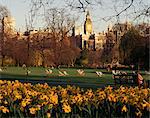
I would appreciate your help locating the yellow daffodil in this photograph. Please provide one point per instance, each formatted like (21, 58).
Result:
(4, 109)
(48, 115)
(50, 106)
(54, 99)
(32, 110)
(17, 95)
(144, 105)
(1, 81)
(89, 93)
(63, 92)
(5, 102)
(25, 102)
(139, 114)
(111, 97)
(40, 96)
(108, 89)
(124, 109)
(125, 99)
(66, 108)
(1, 97)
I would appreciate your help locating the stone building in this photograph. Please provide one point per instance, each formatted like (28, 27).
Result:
(9, 25)
(83, 36)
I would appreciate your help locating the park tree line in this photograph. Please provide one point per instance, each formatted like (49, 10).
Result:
(55, 48)
(134, 48)
(52, 46)
(39, 50)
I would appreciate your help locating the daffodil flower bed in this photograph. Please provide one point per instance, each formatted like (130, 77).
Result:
(41, 100)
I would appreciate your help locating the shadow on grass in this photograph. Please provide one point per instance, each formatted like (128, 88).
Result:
(84, 82)
(81, 81)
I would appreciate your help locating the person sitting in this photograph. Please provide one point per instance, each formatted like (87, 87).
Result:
(140, 79)
(24, 66)
(108, 68)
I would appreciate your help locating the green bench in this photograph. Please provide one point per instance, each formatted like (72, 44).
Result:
(128, 78)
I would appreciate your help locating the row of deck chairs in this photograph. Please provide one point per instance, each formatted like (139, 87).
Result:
(82, 73)
(117, 72)
(60, 73)
(3, 69)
(63, 73)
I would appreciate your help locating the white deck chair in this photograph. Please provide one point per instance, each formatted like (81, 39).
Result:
(81, 72)
(61, 74)
(115, 73)
(99, 73)
(1, 70)
(65, 73)
(78, 71)
(48, 71)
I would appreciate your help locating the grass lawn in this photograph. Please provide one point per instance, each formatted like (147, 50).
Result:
(38, 75)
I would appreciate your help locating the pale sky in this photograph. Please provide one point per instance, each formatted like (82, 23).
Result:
(19, 10)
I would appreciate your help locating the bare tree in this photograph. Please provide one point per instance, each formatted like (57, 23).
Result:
(4, 12)
(132, 8)
(59, 23)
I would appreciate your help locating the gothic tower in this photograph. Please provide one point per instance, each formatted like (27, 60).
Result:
(88, 24)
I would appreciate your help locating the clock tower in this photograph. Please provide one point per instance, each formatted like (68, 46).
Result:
(88, 24)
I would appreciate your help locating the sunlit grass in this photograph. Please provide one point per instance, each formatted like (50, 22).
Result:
(91, 79)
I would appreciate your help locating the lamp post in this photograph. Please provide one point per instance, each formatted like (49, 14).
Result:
(27, 33)
(117, 45)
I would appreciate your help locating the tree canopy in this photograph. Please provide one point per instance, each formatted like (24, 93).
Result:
(133, 48)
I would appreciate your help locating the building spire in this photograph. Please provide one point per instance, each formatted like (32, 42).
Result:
(88, 24)
(88, 15)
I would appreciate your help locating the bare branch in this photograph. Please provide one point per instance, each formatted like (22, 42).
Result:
(125, 8)
(4, 12)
